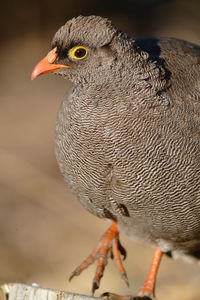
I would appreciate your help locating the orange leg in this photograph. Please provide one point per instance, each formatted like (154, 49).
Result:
(149, 285)
(108, 244)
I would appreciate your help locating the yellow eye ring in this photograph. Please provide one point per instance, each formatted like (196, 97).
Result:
(78, 52)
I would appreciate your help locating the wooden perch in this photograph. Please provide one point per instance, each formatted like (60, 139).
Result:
(18, 291)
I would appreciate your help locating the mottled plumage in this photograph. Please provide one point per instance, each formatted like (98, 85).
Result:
(128, 131)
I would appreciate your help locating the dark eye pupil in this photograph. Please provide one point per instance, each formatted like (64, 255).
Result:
(80, 52)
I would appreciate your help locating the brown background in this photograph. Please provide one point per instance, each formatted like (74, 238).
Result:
(44, 231)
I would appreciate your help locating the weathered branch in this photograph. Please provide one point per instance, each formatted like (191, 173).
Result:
(18, 291)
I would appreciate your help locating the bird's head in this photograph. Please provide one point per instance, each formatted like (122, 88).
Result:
(80, 50)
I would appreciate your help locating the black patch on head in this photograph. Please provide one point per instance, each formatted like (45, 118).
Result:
(124, 210)
(151, 46)
(61, 50)
(109, 215)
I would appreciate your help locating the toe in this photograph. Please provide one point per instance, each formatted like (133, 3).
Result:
(112, 296)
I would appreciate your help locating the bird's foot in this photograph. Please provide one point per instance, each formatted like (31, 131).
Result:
(109, 244)
(142, 295)
(146, 293)
(148, 290)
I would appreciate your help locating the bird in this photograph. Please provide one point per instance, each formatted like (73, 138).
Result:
(127, 139)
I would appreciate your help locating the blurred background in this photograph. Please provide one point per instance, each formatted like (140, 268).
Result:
(45, 233)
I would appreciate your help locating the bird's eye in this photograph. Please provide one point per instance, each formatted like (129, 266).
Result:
(78, 52)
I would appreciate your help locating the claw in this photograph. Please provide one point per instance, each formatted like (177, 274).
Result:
(125, 278)
(112, 296)
(95, 286)
(74, 273)
(105, 295)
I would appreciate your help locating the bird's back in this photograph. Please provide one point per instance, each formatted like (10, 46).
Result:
(181, 61)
